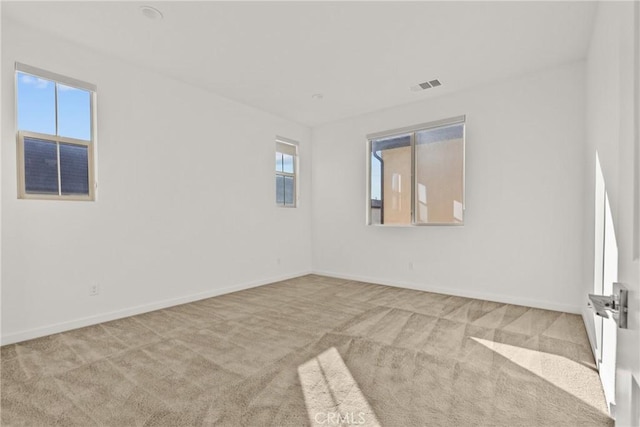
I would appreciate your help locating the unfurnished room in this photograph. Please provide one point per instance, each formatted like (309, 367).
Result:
(320, 213)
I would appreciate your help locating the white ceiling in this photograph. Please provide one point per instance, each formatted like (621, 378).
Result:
(362, 56)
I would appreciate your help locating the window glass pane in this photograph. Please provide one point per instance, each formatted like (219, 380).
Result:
(40, 166)
(36, 104)
(289, 197)
(280, 189)
(391, 180)
(285, 173)
(74, 169)
(287, 163)
(439, 175)
(74, 113)
(376, 190)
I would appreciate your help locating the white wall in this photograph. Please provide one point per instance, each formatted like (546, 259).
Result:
(610, 132)
(522, 239)
(185, 203)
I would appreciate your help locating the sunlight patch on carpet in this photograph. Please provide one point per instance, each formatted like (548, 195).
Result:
(566, 374)
(331, 394)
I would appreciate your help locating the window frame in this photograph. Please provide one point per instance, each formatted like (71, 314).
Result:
(56, 139)
(294, 174)
(412, 130)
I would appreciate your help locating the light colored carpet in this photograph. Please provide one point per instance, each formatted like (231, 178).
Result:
(312, 351)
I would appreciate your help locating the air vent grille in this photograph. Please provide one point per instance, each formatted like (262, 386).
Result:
(426, 85)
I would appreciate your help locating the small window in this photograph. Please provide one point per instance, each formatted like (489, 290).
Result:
(286, 172)
(55, 135)
(416, 175)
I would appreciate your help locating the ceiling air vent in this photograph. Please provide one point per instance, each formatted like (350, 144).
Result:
(426, 85)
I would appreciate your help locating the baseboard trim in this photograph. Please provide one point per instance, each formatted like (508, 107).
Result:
(145, 308)
(545, 305)
(29, 334)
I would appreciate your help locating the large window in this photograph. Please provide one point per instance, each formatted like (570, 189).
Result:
(56, 134)
(416, 175)
(286, 172)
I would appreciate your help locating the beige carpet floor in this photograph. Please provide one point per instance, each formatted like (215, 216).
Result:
(312, 351)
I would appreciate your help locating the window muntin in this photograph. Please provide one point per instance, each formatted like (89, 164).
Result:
(55, 135)
(416, 175)
(286, 172)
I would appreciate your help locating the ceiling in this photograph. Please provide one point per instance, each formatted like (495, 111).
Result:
(362, 56)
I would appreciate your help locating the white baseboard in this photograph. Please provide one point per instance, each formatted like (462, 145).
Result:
(145, 308)
(546, 305)
(132, 311)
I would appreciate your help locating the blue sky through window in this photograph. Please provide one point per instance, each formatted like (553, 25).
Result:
(36, 104)
(74, 113)
(37, 108)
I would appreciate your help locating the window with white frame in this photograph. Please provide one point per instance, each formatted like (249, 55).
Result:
(286, 172)
(416, 174)
(55, 135)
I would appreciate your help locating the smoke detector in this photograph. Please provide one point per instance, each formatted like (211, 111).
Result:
(426, 85)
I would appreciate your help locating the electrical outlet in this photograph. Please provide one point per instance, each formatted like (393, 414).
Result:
(278, 261)
(94, 290)
(410, 265)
